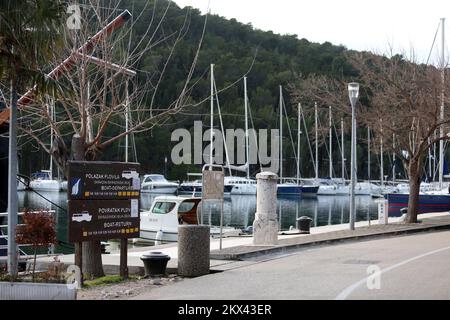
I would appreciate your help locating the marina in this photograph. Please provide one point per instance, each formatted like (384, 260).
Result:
(141, 140)
(239, 211)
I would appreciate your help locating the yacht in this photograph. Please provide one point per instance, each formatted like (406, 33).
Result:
(194, 187)
(241, 185)
(157, 183)
(291, 188)
(166, 213)
(43, 181)
(367, 189)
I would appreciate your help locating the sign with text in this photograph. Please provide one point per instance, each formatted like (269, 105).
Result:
(213, 185)
(99, 180)
(103, 219)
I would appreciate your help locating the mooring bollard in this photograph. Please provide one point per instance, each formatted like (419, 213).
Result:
(265, 226)
(304, 224)
(193, 250)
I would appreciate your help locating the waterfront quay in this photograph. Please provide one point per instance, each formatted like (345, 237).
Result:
(241, 248)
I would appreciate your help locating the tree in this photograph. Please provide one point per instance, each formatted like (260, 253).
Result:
(26, 32)
(97, 87)
(37, 230)
(399, 99)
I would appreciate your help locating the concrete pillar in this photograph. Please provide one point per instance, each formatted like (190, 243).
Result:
(193, 250)
(265, 226)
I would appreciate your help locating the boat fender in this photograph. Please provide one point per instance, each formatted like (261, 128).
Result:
(159, 236)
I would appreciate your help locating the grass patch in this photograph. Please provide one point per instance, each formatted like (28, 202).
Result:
(111, 279)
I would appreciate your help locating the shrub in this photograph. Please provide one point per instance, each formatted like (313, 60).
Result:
(37, 230)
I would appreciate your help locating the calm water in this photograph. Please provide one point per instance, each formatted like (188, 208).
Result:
(239, 211)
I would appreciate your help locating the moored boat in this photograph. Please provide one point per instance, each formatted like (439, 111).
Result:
(166, 213)
(427, 203)
(157, 183)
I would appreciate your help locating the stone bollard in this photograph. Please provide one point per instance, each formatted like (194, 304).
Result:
(193, 250)
(265, 226)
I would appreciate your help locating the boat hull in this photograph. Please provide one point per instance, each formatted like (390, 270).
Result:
(289, 190)
(159, 190)
(297, 190)
(309, 191)
(427, 203)
(45, 185)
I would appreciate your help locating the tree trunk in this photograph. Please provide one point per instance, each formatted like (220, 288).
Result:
(92, 253)
(414, 169)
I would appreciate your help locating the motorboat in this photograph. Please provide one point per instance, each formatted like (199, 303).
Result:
(291, 188)
(157, 183)
(194, 187)
(166, 213)
(43, 181)
(241, 185)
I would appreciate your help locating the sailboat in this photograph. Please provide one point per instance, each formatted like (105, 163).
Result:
(429, 200)
(242, 185)
(43, 180)
(291, 187)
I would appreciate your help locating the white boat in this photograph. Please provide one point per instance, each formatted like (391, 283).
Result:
(367, 189)
(42, 181)
(157, 183)
(425, 188)
(166, 213)
(241, 185)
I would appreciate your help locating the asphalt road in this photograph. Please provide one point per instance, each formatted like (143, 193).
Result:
(405, 267)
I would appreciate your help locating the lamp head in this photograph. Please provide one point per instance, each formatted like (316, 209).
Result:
(353, 92)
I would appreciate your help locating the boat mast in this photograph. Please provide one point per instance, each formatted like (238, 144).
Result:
(281, 134)
(331, 145)
(430, 172)
(298, 141)
(342, 150)
(393, 159)
(368, 153)
(317, 143)
(441, 129)
(211, 119)
(247, 169)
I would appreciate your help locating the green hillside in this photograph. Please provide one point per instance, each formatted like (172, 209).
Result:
(235, 49)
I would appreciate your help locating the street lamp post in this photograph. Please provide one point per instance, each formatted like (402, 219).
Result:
(353, 93)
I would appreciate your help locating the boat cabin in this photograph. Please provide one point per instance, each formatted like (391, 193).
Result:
(168, 212)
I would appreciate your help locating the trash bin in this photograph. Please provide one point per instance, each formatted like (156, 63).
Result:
(303, 224)
(155, 263)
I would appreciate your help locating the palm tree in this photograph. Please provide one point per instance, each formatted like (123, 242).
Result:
(28, 33)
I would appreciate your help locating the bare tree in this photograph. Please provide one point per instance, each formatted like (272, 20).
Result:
(400, 100)
(97, 85)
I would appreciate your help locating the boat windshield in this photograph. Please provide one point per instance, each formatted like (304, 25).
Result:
(163, 207)
(186, 206)
(158, 178)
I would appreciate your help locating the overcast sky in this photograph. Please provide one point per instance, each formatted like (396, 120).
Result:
(356, 24)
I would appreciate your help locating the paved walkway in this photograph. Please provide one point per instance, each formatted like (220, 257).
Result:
(236, 250)
(434, 221)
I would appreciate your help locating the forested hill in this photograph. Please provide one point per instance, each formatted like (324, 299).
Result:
(231, 46)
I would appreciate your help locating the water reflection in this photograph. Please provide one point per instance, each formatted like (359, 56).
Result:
(239, 210)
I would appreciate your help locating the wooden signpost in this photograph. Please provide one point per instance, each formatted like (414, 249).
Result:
(103, 204)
